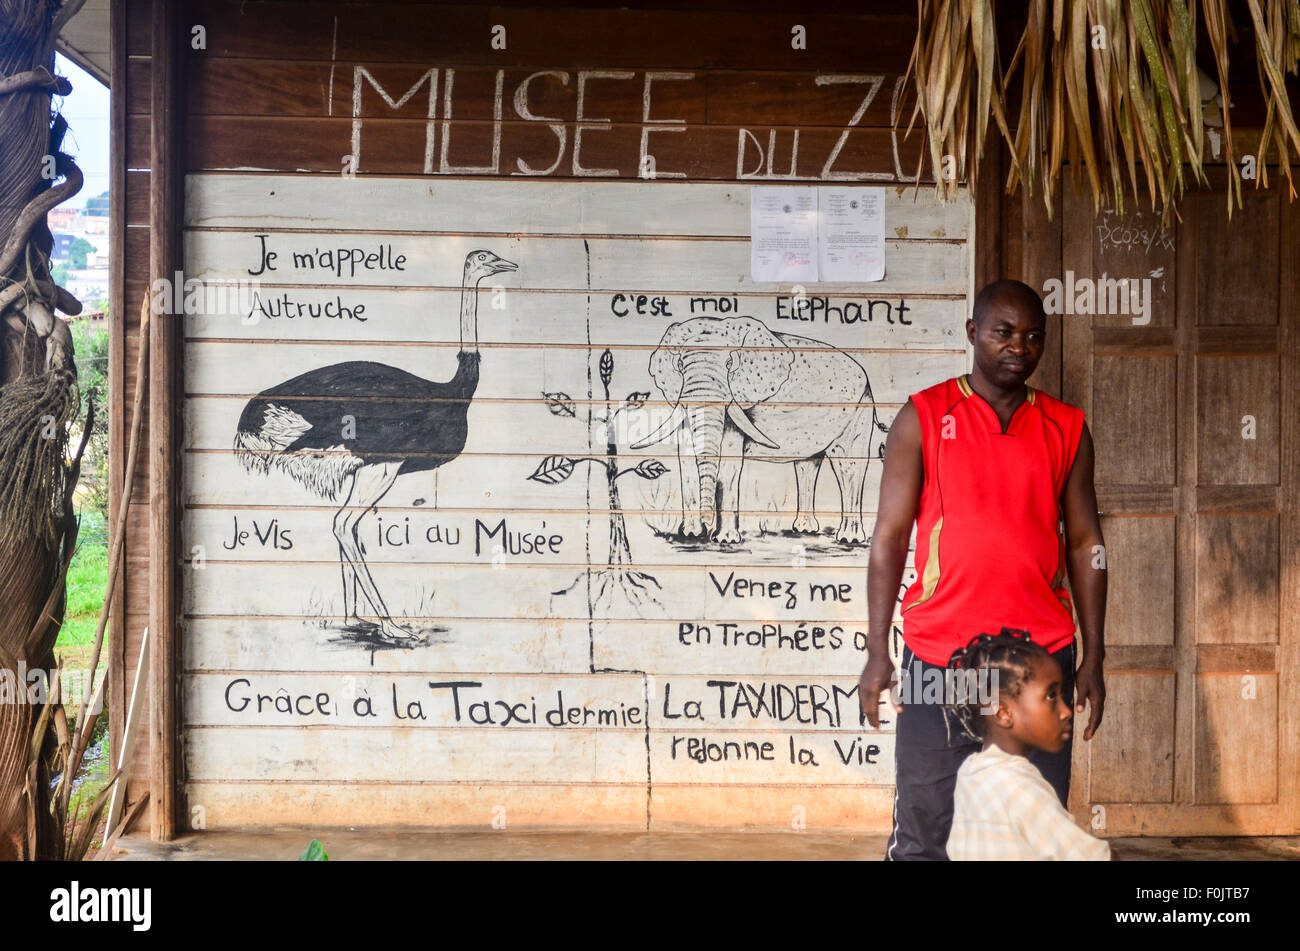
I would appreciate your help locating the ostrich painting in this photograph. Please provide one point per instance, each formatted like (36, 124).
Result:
(349, 430)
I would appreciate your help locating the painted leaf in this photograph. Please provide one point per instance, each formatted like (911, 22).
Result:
(651, 469)
(553, 470)
(606, 367)
(560, 404)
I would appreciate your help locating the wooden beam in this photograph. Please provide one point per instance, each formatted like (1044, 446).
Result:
(165, 259)
(117, 316)
(1185, 508)
(1288, 667)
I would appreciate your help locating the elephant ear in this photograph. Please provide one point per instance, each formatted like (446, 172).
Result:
(760, 366)
(666, 363)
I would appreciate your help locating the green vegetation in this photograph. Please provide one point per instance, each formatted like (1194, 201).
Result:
(77, 252)
(87, 576)
(88, 573)
(76, 261)
(315, 852)
(91, 345)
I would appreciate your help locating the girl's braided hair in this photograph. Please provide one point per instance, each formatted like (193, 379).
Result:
(1011, 654)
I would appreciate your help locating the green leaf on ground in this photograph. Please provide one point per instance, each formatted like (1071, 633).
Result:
(315, 852)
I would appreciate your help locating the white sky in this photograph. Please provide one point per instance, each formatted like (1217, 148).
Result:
(86, 109)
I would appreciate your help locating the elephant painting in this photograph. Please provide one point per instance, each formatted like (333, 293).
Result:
(740, 392)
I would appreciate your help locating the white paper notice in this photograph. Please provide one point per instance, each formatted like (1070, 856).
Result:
(852, 233)
(783, 234)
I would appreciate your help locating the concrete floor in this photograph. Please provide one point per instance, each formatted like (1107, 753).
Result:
(403, 844)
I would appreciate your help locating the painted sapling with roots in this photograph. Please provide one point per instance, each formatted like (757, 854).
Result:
(619, 577)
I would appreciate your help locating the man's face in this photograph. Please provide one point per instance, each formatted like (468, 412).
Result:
(1008, 342)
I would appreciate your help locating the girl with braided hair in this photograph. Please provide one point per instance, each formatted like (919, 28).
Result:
(1003, 808)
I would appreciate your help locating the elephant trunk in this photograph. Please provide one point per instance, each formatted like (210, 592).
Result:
(706, 424)
(706, 393)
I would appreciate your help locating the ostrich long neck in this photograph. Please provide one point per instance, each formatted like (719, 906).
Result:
(469, 316)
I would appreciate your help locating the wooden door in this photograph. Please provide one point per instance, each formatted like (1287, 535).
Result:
(1194, 421)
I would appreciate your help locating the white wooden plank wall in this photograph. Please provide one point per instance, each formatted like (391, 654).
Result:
(702, 682)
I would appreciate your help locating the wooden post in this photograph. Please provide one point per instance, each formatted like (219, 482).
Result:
(167, 157)
(1289, 534)
(117, 346)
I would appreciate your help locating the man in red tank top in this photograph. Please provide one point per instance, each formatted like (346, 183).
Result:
(998, 478)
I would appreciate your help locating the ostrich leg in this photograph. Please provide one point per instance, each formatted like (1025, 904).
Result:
(349, 573)
(369, 484)
(341, 527)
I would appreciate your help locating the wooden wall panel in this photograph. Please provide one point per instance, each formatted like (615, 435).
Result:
(704, 210)
(1237, 571)
(1239, 262)
(1135, 245)
(414, 803)
(1043, 247)
(399, 146)
(1169, 403)
(1140, 595)
(575, 806)
(744, 97)
(137, 198)
(1131, 758)
(461, 34)
(1238, 431)
(764, 684)
(263, 115)
(1236, 738)
(136, 265)
(1133, 413)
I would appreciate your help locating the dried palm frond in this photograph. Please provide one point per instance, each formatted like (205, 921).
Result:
(1277, 41)
(1104, 85)
(34, 416)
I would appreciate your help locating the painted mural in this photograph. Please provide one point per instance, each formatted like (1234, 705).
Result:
(568, 507)
(348, 431)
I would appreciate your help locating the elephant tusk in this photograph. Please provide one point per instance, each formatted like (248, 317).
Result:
(746, 426)
(670, 426)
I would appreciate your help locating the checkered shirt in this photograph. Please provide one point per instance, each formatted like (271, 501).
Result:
(1004, 809)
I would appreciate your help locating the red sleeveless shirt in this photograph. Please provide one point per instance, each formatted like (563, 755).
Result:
(990, 538)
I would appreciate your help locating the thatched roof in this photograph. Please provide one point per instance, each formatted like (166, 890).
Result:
(1113, 89)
